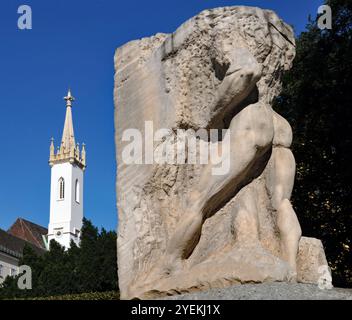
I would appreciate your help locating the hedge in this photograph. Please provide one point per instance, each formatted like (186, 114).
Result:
(109, 295)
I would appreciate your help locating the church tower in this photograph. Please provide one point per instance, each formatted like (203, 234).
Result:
(66, 193)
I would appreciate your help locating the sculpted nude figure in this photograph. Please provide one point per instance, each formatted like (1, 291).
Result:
(182, 228)
(255, 132)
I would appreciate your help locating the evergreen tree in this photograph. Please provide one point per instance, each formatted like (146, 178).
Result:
(88, 267)
(92, 267)
(316, 100)
(107, 260)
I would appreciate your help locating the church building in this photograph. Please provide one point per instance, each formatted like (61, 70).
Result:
(66, 193)
(67, 164)
(12, 242)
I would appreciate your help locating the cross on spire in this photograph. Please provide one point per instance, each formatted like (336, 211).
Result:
(69, 98)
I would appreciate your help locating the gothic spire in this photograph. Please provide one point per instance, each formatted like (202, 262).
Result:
(68, 136)
(68, 150)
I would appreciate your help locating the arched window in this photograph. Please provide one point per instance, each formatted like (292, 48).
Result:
(61, 188)
(77, 191)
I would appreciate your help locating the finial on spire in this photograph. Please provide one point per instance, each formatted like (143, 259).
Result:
(52, 149)
(83, 154)
(69, 98)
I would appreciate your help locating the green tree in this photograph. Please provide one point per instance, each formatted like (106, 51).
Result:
(91, 267)
(107, 260)
(97, 260)
(88, 267)
(316, 99)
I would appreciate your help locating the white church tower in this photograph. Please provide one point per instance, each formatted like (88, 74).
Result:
(66, 193)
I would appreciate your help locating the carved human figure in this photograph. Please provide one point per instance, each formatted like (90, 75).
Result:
(255, 132)
(181, 227)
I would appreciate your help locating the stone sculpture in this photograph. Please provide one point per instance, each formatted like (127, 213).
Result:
(181, 227)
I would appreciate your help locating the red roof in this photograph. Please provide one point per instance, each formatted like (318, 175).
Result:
(14, 246)
(29, 232)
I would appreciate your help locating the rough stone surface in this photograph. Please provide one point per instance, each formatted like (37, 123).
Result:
(268, 291)
(311, 261)
(183, 228)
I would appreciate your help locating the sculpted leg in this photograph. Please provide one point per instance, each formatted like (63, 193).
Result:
(251, 134)
(280, 182)
(290, 232)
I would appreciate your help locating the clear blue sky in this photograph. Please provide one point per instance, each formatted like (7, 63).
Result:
(72, 44)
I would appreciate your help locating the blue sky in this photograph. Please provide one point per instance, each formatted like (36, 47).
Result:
(72, 44)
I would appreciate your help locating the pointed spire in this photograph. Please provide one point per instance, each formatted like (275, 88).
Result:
(68, 150)
(52, 148)
(83, 154)
(52, 152)
(68, 136)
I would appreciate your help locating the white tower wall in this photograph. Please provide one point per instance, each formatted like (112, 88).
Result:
(66, 198)
(66, 214)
